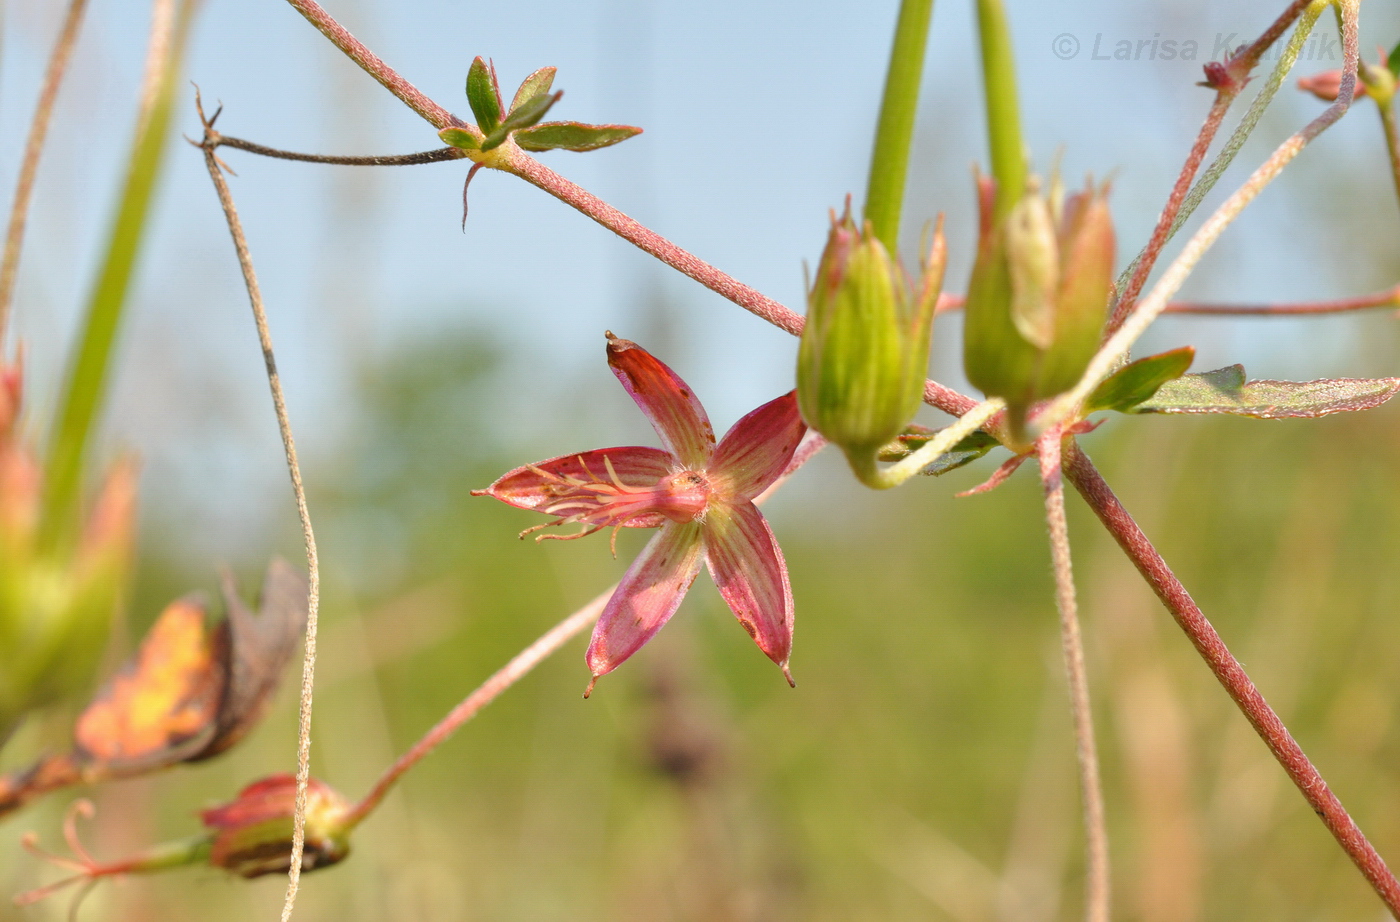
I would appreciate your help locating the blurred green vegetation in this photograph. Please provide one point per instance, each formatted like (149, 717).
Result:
(923, 767)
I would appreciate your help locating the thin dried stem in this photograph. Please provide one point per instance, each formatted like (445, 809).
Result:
(1097, 883)
(522, 664)
(279, 403)
(33, 148)
(1231, 675)
(438, 155)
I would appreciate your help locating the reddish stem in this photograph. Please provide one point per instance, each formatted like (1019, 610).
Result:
(1097, 493)
(1387, 298)
(371, 64)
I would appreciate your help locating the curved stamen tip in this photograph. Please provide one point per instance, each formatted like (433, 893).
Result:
(589, 690)
(787, 674)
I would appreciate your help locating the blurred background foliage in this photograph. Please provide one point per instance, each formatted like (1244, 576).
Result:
(923, 768)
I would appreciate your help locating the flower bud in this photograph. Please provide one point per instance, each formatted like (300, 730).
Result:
(863, 356)
(253, 833)
(1038, 296)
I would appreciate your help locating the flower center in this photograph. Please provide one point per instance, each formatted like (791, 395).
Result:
(599, 502)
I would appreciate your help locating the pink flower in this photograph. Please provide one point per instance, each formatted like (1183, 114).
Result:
(698, 493)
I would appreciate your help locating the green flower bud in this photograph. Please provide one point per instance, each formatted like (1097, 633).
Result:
(863, 356)
(1038, 296)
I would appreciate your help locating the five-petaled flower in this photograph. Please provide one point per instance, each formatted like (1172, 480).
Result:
(698, 493)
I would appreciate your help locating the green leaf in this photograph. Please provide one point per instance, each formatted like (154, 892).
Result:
(460, 138)
(913, 438)
(483, 96)
(573, 136)
(1138, 381)
(1226, 391)
(530, 111)
(1393, 62)
(537, 83)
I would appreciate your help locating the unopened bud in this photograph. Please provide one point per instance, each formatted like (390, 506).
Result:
(253, 833)
(864, 352)
(1038, 296)
(1327, 85)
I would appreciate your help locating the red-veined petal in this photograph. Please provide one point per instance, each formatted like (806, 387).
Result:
(647, 597)
(537, 487)
(756, 451)
(668, 402)
(748, 567)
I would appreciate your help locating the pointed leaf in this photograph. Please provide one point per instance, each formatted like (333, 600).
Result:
(482, 96)
(531, 111)
(460, 138)
(1226, 391)
(535, 84)
(574, 136)
(748, 568)
(647, 597)
(1138, 381)
(969, 449)
(756, 451)
(1393, 62)
(667, 401)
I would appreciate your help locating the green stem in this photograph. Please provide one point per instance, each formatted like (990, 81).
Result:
(1392, 140)
(1003, 112)
(878, 478)
(87, 377)
(894, 133)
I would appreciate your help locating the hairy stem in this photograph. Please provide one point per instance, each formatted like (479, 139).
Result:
(370, 63)
(1390, 297)
(1097, 883)
(521, 665)
(33, 147)
(1008, 152)
(1231, 675)
(1392, 148)
(1152, 306)
(313, 599)
(894, 132)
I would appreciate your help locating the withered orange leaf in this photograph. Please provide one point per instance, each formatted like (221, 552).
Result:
(254, 650)
(161, 705)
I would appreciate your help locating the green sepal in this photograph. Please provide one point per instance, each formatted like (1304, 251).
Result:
(1225, 390)
(964, 452)
(534, 85)
(1393, 62)
(459, 138)
(574, 136)
(530, 112)
(483, 96)
(1138, 381)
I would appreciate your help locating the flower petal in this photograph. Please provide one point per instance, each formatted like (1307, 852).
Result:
(668, 402)
(536, 487)
(647, 597)
(747, 565)
(756, 451)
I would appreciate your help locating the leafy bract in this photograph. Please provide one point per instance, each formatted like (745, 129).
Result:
(575, 136)
(483, 96)
(1138, 381)
(974, 446)
(1225, 390)
(537, 84)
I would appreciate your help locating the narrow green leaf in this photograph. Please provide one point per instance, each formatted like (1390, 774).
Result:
(459, 138)
(1226, 391)
(482, 96)
(573, 136)
(1138, 381)
(913, 438)
(530, 111)
(1393, 62)
(87, 379)
(535, 84)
